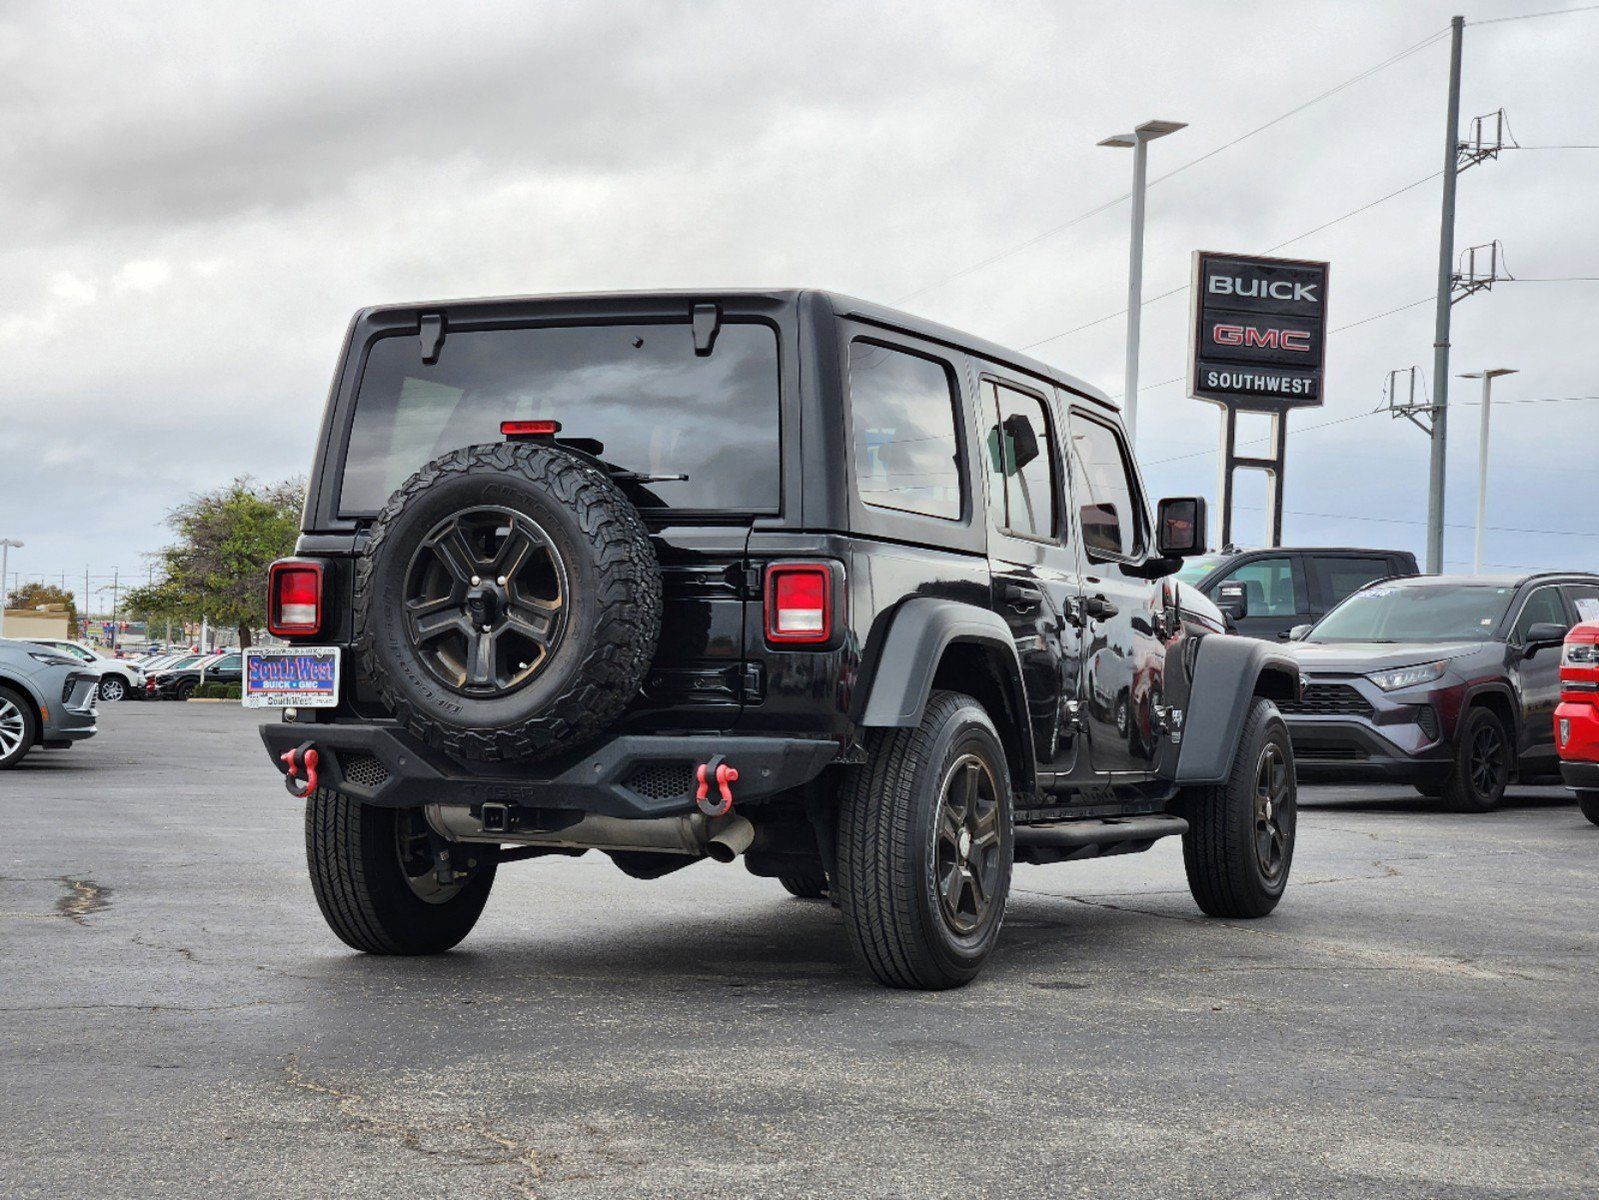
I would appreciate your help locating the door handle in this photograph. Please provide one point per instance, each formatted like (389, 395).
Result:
(1023, 595)
(1099, 608)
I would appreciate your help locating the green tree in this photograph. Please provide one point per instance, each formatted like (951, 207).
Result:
(217, 567)
(37, 595)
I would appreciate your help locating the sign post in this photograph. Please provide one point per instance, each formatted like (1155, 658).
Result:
(1256, 344)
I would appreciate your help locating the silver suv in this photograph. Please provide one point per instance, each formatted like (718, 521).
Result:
(46, 699)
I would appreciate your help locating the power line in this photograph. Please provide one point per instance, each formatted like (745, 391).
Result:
(1114, 201)
(1551, 12)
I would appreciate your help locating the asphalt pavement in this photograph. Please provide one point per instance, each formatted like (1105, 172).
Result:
(1420, 1018)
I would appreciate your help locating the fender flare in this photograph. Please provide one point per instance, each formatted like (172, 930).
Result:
(1228, 673)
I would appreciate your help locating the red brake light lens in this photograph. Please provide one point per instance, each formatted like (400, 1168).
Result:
(294, 597)
(521, 429)
(799, 603)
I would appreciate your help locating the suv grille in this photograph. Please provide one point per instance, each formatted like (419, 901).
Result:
(363, 770)
(1328, 700)
(661, 781)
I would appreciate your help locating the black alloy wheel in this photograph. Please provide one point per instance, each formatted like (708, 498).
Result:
(1275, 811)
(1484, 760)
(485, 601)
(967, 855)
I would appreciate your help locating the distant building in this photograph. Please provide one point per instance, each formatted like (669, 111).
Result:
(49, 621)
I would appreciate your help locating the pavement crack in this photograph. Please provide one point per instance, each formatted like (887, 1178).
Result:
(187, 954)
(84, 897)
(356, 1108)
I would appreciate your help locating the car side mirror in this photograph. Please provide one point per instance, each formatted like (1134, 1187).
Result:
(1233, 599)
(1297, 633)
(1542, 634)
(1023, 441)
(1180, 521)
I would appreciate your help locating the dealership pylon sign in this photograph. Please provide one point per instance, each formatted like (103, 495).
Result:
(1257, 343)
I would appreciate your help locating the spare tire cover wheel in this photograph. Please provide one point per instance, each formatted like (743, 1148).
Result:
(509, 602)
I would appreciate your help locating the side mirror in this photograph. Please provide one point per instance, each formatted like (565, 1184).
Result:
(1023, 441)
(1298, 632)
(1232, 598)
(1180, 521)
(1542, 634)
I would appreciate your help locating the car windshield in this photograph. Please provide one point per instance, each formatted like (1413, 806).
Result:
(703, 427)
(1425, 613)
(1195, 569)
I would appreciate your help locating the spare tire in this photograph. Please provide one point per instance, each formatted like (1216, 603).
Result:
(509, 602)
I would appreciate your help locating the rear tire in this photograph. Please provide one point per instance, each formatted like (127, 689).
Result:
(807, 885)
(925, 847)
(1588, 802)
(375, 899)
(1484, 756)
(1240, 841)
(19, 727)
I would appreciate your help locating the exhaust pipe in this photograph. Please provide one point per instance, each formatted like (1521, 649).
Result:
(733, 837)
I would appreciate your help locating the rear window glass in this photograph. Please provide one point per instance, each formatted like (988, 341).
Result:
(903, 408)
(640, 391)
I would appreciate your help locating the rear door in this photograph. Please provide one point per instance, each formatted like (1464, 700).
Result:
(1036, 585)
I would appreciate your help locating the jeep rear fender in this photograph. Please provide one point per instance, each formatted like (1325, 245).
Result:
(1228, 673)
(927, 633)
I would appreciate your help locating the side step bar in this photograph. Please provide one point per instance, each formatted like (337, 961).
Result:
(1093, 838)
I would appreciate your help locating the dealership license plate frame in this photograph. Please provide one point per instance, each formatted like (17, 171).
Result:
(315, 693)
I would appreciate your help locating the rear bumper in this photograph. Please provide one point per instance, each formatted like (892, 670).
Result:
(628, 776)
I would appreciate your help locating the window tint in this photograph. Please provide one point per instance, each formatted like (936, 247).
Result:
(1020, 448)
(1339, 577)
(640, 391)
(1268, 585)
(1544, 605)
(1104, 489)
(903, 409)
(1584, 599)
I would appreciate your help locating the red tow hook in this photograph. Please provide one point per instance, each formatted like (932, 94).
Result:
(304, 755)
(716, 771)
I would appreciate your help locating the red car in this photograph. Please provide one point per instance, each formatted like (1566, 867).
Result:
(1577, 718)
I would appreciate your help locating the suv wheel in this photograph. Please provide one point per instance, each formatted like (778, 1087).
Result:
(925, 847)
(1589, 803)
(1240, 840)
(1483, 760)
(18, 728)
(112, 689)
(373, 873)
(807, 885)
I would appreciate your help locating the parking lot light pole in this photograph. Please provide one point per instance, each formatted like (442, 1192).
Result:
(1138, 140)
(1487, 378)
(7, 545)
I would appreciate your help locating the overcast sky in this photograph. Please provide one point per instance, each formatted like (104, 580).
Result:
(195, 197)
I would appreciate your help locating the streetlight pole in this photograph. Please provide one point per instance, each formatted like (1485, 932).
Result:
(1138, 140)
(1487, 378)
(7, 545)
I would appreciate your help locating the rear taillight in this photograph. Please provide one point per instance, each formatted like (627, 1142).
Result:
(799, 603)
(294, 597)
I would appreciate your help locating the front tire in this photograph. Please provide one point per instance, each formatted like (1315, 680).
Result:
(1588, 802)
(925, 846)
(19, 728)
(186, 689)
(112, 689)
(1484, 756)
(371, 870)
(1240, 841)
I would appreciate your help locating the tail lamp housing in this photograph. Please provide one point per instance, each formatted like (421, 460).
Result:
(802, 603)
(294, 597)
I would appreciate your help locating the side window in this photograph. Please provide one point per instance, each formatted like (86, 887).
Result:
(1268, 585)
(230, 663)
(1020, 449)
(1584, 599)
(1106, 498)
(1543, 605)
(1338, 576)
(906, 451)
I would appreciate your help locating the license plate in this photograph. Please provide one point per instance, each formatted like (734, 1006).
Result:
(291, 677)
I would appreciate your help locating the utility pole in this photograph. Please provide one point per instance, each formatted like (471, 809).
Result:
(1440, 343)
(6, 546)
(1138, 140)
(114, 582)
(1487, 378)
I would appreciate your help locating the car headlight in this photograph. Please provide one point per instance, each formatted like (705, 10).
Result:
(1403, 677)
(1581, 654)
(53, 660)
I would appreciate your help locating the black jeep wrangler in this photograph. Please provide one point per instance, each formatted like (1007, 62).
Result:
(781, 576)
